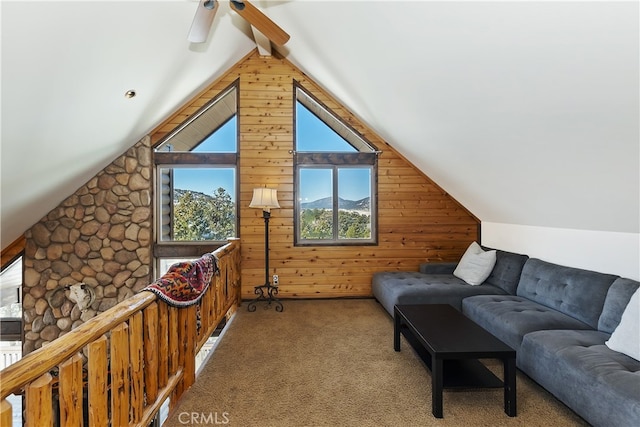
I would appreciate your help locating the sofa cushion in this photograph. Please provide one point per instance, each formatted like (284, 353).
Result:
(438, 267)
(617, 299)
(601, 385)
(475, 265)
(510, 317)
(626, 337)
(412, 287)
(506, 273)
(573, 291)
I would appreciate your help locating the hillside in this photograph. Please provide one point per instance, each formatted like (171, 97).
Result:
(327, 203)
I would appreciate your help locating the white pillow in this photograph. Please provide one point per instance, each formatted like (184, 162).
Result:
(475, 265)
(626, 337)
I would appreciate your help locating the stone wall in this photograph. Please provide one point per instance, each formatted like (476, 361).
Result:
(100, 236)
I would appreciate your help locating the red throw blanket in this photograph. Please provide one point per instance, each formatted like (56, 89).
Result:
(185, 282)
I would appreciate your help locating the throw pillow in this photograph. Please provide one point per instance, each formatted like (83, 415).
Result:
(475, 265)
(624, 338)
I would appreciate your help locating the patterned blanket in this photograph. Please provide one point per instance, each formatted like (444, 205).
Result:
(185, 282)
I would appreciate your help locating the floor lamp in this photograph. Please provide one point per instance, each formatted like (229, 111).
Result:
(265, 199)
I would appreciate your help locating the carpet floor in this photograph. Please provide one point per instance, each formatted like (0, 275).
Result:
(332, 363)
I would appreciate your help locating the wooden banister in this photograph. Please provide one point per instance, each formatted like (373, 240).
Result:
(44, 359)
(142, 350)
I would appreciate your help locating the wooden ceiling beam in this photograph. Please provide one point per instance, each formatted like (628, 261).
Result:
(257, 19)
(13, 251)
(262, 41)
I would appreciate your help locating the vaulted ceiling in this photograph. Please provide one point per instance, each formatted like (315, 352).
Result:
(526, 112)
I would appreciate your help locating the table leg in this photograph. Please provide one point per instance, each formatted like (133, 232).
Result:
(510, 386)
(396, 331)
(436, 386)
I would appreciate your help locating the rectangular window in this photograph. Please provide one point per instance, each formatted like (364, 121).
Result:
(316, 204)
(354, 206)
(334, 205)
(197, 203)
(11, 291)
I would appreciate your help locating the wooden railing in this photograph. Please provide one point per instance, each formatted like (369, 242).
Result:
(119, 367)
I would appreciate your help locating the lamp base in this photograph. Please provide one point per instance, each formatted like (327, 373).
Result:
(266, 293)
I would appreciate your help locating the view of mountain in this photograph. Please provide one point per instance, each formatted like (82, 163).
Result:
(178, 193)
(324, 203)
(327, 203)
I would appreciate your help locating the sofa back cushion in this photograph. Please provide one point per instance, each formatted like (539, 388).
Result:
(507, 270)
(572, 291)
(617, 299)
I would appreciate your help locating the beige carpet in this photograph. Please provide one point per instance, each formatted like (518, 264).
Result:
(332, 363)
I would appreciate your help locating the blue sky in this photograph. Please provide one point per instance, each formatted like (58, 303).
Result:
(207, 180)
(204, 180)
(353, 183)
(312, 135)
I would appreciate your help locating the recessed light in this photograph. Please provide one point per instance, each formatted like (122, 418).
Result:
(130, 94)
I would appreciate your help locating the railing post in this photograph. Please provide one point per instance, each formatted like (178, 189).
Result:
(120, 379)
(98, 371)
(5, 413)
(174, 352)
(138, 354)
(188, 356)
(151, 351)
(38, 397)
(136, 369)
(71, 392)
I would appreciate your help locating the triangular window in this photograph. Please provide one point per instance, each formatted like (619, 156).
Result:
(320, 130)
(212, 129)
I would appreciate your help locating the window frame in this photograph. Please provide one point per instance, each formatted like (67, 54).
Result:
(334, 161)
(215, 162)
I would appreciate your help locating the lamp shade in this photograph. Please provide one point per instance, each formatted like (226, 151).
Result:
(265, 198)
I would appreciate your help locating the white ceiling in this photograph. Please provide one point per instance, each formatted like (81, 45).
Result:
(526, 112)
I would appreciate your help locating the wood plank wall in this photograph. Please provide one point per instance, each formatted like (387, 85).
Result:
(417, 220)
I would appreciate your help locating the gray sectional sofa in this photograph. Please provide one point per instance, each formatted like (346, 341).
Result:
(557, 318)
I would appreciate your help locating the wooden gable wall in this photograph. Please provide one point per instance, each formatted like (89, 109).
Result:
(417, 220)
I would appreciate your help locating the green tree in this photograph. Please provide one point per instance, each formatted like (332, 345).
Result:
(190, 215)
(223, 215)
(353, 225)
(317, 224)
(199, 216)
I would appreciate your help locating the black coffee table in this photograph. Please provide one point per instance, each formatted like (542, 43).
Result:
(450, 344)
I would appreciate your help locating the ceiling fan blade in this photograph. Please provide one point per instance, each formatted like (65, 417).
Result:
(202, 20)
(260, 21)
